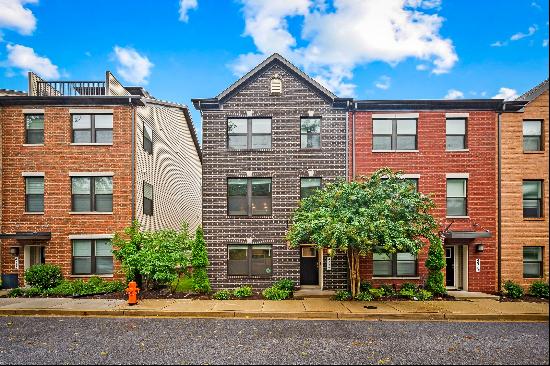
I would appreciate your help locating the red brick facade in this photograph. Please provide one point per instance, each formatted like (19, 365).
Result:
(432, 163)
(56, 159)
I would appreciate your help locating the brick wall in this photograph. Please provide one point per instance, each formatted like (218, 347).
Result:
(56, 159)
(518, 232)
(432, 163)
(285, 163)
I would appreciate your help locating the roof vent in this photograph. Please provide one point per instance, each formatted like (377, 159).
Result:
(276, 85)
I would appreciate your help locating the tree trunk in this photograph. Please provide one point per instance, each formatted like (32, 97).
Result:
(355, 279)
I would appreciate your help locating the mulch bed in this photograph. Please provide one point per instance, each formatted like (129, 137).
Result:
(525, 298)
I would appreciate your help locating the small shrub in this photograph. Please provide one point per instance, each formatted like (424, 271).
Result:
(16, 292)
(243, 291)
(407, 286)
(275, 293)
(342, 295)
(539, 289)
(365, 286)
(376, 292)
(43, 276)
(285, 284)
(199, 261)
(93, 286)
(407, 294)
(33, 292)
(222, 295)
(435, 283)
(389, 291)
(423, 295)
(364, 296)
(513, 290)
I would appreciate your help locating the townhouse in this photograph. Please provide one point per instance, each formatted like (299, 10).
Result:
(82, 160)
(524, 189)
(269, 139)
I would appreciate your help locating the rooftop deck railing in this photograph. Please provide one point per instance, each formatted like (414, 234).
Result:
(70, 88)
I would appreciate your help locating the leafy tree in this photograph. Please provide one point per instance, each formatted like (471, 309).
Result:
(382, 213)
(199, 261)
(435, 263)
(155, 256)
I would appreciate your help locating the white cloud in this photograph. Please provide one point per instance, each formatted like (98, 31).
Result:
(185, 6)
(422, 67)
(424, 4)
(384, 82)
(26, 59)
(506, 94)
(133, 67)
(545, 43)
(534, 4)
(352, 33)
(454, 94)
(13, 15)
(483, 93)
(519, 35)
(499, 44)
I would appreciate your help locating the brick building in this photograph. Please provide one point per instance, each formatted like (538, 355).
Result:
(80, 161)
(448, 149)
(268, 139)
(524, 189)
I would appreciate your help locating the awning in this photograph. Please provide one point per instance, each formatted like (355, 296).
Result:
(467, 234)
(27, 235)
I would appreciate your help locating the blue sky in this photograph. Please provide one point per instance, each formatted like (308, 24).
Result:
(369, 49)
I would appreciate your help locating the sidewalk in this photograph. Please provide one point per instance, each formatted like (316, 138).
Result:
(474, 310)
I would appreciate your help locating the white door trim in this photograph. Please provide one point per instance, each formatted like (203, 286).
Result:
(465, 267)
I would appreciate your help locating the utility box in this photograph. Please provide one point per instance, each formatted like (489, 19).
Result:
(10, 280)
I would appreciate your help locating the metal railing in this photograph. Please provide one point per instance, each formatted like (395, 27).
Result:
(69, 88)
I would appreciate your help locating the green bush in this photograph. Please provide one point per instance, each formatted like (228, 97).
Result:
(407, 294)
(33, 292)
(539, 289)
(365, 286)
(276, 293)
(43, 276)
(389, 291)
(199, 261)
(435, 283)
(16, 292)
(513, 290)
(435, 263)
(285, 284)
(423, 295)
(376, 292)
(222, 295)
(409, 287)
(364, 296)
(93, 286)
(243, 291)
(342, 295)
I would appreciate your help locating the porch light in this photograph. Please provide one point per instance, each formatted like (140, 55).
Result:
(479, 248)
(14, 251)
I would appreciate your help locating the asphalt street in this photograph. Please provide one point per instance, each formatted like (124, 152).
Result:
(51, 340)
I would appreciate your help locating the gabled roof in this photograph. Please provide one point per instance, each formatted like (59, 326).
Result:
(268, 62)
(535, 92)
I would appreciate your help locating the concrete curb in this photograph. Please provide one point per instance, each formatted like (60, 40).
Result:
(314, 315)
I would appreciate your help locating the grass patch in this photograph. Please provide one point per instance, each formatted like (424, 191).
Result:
(183, 284)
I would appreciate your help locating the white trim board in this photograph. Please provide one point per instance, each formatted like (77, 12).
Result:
(90, 236)
(395, 115)
(91, 174)
(33, 174)
(90, 111)
(458, 175)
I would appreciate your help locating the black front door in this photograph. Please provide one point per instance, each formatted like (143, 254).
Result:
(309, 268)
(450, 270)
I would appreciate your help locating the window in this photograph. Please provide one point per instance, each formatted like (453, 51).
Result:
(532, 262)
(249, 196)
(34, 194)
(456, 197)
(310, 132)
(249, 260)
(147, 199)
(394, 265)
(396, 134)
(251, 133)
(456, 134)
(532, 135)
(147, 139)
(92, 194)
(34, 128)
(414, 182)
(308, 186)
(93, 128)
(276, 86)
(532, 198)
(92, 257)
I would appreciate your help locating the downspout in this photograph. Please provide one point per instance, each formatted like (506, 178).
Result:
(347, 141)
(353, 142)
(133, 161)
(499, 190)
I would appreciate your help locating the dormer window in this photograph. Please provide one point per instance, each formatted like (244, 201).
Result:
(276, 86)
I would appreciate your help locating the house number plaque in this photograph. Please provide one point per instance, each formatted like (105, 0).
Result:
(478, 265)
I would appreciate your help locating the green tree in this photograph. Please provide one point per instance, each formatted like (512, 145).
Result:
(155, 256)
(435, 264)
(382, 213)
(199, 261)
